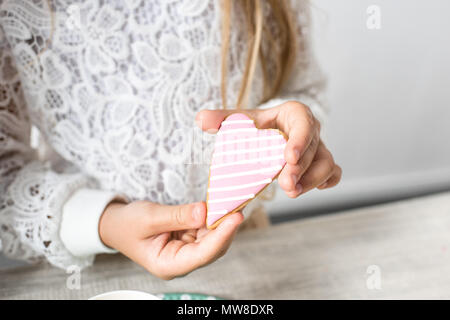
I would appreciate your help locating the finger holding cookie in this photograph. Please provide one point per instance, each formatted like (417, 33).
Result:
(309, 164)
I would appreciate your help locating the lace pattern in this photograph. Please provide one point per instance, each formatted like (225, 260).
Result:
(113, 87)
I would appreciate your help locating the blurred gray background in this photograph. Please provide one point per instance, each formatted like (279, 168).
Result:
(389, 93)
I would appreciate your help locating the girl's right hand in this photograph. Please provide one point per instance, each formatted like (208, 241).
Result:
(168, 241)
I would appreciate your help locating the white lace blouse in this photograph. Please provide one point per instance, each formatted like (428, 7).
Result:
(113, 88)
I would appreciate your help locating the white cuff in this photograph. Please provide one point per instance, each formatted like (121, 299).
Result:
(80, 218)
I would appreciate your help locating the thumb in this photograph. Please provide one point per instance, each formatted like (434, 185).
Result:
(173, 218)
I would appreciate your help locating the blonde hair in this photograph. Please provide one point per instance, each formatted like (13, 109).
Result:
(281, 45)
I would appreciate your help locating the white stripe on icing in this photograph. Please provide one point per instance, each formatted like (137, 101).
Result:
(242, 186)
(247, 173)
(221, 165)
(245, 197)
(226, 122)
(222, 212)
(262, 138)
(280, 146)
(237, 130)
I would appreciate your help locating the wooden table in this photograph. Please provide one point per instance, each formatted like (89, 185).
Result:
(324, 257)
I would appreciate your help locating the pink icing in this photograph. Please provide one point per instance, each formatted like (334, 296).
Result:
(255, 157)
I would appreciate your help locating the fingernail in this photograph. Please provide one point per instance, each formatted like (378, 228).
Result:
(297, 155)
(196, 213)
(212, 131)
(323, 185)
(299, 187)
(294, 179)
(228, 222)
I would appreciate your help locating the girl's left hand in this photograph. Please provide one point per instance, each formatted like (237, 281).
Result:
(309, 164)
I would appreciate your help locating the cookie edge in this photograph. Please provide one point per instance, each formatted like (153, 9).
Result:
(217, 222)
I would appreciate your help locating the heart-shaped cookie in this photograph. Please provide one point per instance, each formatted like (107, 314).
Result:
(244, 162)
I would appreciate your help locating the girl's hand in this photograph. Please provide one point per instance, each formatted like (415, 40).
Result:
(309, 163)
(168, 241)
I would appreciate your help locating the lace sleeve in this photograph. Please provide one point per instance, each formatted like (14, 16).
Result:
(32, 195)
(307, 82)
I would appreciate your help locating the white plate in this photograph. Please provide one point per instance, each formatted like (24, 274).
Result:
(125, 295)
